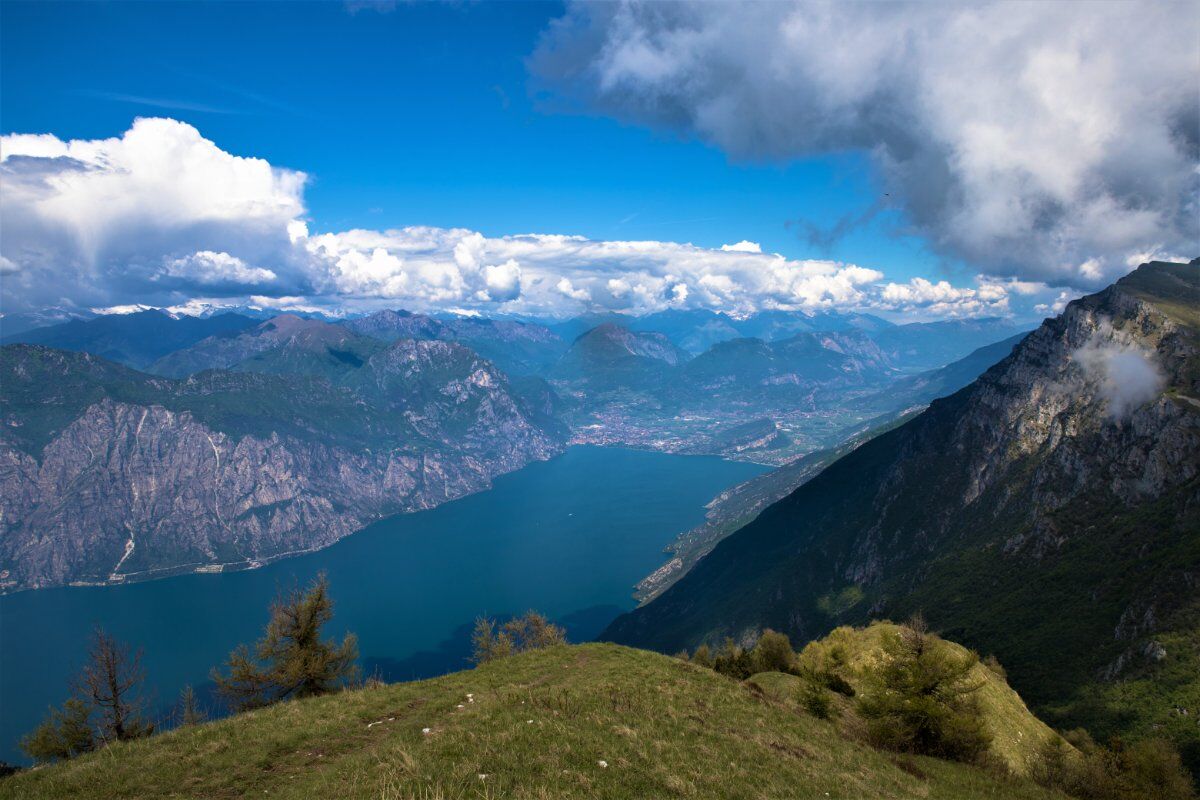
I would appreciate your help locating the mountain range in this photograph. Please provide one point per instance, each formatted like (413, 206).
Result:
(111, 474)
(1049, 512)
(144, 444)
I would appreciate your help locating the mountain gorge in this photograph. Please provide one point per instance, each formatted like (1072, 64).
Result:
(1049, 513)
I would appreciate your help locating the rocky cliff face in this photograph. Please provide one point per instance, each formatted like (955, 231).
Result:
(1033, 514)
(148, 477)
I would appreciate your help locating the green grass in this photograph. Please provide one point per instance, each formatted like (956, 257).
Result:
(538, 727)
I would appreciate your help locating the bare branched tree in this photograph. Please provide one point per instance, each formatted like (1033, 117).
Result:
(111, 682)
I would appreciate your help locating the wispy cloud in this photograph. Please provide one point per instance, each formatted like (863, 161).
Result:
(165, 103)
(258, 102)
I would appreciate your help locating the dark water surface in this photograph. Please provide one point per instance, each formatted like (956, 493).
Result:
(568, 537)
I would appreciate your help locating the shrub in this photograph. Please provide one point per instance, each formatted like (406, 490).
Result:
(733, 661)
(1149, 768)
(530, 631)
(816, 699)
(703, 657)
(65, 733)
(773, 653)
(836, 683)
(921, 699)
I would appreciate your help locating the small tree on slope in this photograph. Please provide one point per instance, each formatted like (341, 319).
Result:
(112, 681)
(291, 660)
(530, 631)
(106, 705)
(922, 698)
(65, 733)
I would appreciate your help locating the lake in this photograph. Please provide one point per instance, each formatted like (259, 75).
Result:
(568, 537)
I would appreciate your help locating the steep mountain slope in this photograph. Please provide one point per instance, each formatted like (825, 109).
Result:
(929, 345)
(593, 721)
(919, 389)
(135, 340)
(737, 506)
(518, 348)
(1049, 513)
(108, 474)
(286, 343)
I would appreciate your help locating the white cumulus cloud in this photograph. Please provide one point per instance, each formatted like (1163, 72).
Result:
(208, 268)
(1048, 141)
(162, 216)
(114, 214)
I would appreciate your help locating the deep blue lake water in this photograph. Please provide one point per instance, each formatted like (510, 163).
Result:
(568, 537)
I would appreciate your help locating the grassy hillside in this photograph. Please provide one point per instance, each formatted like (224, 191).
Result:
(591, 721)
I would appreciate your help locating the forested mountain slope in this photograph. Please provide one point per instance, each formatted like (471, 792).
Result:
(1049, 513)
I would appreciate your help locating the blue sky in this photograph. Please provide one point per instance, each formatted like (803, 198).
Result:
(424, 115)
(428, 115)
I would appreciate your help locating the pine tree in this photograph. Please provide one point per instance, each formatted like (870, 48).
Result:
(530, 631)
(65, 733)
(921, 699)
(111, 682)
(188, 711)
(291, 660)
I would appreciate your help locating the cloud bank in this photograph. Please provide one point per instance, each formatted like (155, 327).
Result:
(162, 216)
(1046, 141)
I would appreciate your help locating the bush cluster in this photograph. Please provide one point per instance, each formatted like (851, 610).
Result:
(530, 631)
(1078, 766)
(921, 698)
